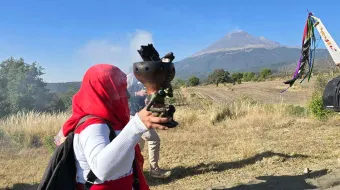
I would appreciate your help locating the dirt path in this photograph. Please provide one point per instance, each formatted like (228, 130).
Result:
(264, 92)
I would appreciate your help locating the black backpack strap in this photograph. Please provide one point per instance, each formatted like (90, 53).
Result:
(135, 184)
(91, 177)
(82, 120)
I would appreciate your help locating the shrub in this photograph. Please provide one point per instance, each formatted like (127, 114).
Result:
(220, 114)
(193, 81)
(320, 84)
(171, 100)
(260, 79)
(316, 107)
(48, 142)
(239, 81)
(265, 73)
(178, 83)
(255, 78)
(296, 110)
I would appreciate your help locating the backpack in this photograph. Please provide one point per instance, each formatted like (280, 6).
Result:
(61, 171)
(331, 95)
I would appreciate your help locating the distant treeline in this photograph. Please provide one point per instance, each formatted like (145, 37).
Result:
(222, 76)
(62, 87)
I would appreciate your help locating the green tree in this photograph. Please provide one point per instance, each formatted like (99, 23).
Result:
(265, 73)
(227, 77)
(255, 78)
(177, 83)
(4, 105)
(66, 97)
(248, 76)
(22, 87)
(218, 76)
(193, 81)
(245, 77)
(237, 77)
(56, 104)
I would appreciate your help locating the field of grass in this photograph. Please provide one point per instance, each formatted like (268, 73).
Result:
(243, 144)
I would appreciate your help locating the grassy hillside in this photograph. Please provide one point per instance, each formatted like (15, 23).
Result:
(236, 145)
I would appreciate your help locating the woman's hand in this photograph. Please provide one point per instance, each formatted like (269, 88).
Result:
(151, 121)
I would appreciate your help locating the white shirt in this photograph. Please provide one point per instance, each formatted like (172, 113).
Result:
(108, 160)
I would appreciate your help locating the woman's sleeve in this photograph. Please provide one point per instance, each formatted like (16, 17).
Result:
(111, 160)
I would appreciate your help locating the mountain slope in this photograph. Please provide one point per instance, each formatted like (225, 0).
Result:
(239, 51)
(238, 40)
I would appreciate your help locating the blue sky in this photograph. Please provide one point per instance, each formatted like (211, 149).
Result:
(66, 37)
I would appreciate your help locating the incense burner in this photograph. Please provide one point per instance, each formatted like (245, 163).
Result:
(156, 75)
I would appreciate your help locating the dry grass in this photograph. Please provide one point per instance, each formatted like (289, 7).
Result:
(268, 92)
(32, 129)
(25, 141)
(214, 145)
(250, 141)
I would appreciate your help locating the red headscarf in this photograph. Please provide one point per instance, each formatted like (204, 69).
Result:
(103, 94)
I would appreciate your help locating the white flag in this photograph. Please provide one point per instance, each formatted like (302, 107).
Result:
(330, 44)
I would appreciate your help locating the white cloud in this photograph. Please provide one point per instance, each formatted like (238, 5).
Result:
(139, 38)
(105, 51)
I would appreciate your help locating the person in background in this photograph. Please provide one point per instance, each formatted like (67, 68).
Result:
(137, 102)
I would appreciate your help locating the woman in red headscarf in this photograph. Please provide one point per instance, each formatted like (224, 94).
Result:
(103, 93)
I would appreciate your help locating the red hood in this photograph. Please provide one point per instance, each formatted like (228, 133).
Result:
(103, 94)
